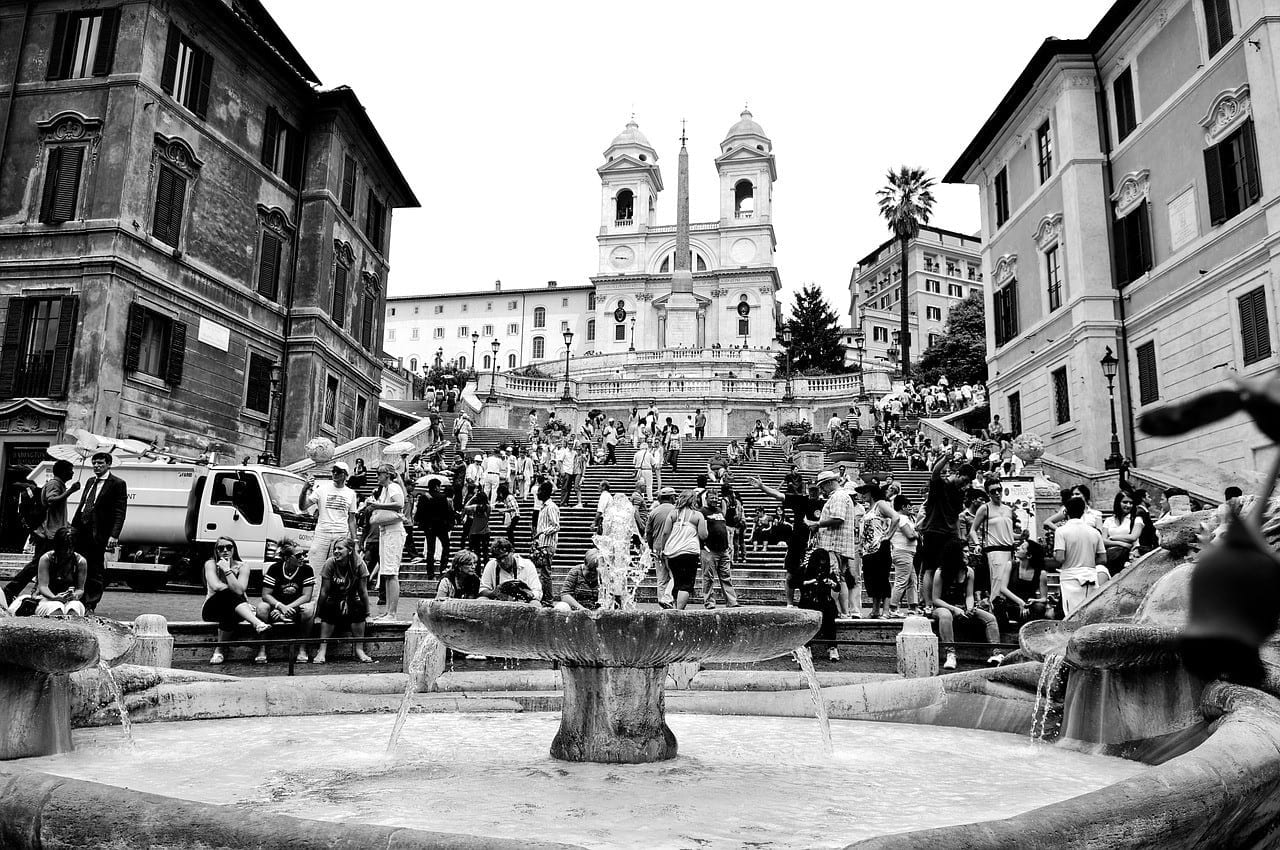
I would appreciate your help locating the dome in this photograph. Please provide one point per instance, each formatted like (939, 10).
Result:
(746, 126)
(631, 136)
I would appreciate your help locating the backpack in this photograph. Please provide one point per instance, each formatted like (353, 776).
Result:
(31, 508)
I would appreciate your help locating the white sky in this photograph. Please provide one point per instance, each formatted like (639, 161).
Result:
(498, 114)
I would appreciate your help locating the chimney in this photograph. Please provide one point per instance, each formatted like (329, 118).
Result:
(551, 284)
(497, 286)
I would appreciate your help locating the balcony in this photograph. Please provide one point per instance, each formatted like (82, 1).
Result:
(623, 222)
(743, 215)
(33, 377)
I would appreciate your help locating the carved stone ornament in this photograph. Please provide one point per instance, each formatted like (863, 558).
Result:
(177, 152)
(1228, 110)
(274, 218)
(717, 293)
(344, 253)
(67, 127)
(644, 296)
(1082, 81)
(370, 279)
(1006, 269)
(1131, 191)
(1162, 16)
(1048, 231)
(766, 290)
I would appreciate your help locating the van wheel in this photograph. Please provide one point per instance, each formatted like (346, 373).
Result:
(147, 583)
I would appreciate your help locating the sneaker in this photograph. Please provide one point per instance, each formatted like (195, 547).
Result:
(302, 657)
(950, 663)
(260, 658)
(996, 659)
(833, 654)
(216, 658)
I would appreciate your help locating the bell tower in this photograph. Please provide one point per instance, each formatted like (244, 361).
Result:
(747, 174)
(630, 181)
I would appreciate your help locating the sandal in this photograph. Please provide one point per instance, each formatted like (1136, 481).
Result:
(216, 658)
(260, 659)
(261, 627)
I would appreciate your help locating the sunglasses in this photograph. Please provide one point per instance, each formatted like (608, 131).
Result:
(224, 548)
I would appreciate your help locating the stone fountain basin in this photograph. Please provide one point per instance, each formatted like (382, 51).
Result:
(46, 645)
(617, 638)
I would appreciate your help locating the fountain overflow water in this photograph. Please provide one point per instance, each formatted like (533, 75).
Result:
(1050, 670)
(117, 696)
(418, 678)
(805, 659)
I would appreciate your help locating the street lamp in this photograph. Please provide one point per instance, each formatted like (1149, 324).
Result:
(860, 343)
(786, 342)
(493, 377)
(439, 358)
(568, 341)
(633, 334)
(475, 337)
(275, 376)
(1110, 366)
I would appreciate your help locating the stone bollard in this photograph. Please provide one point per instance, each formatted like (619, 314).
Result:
(419, 638)
(917, 649)
(153, 645)
(680, 674)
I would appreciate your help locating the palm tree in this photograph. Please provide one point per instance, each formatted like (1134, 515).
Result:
(906, 203)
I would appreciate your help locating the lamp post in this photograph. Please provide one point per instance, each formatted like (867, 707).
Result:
(860, 343)
(493, 377)
(633, 334)
(786, 342)
(268, 456)
(568, 340)
(475, 337)
(1110, 365)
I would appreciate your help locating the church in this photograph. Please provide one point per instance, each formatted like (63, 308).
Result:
(681, 287)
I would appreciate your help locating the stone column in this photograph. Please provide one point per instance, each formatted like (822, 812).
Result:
(153, 645)
(613, 714)
(917, 649)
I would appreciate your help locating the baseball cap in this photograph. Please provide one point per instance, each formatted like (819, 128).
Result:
(667, 491)
(341, 467)
(827, 475)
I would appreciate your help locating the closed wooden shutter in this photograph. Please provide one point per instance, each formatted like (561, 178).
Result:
(368, 321)
(1255, 335)
(15, 314)
(1213, 183)
(171, 191)
(339, 306)
(204, 61)
(1148, 380)
(169, 70)
(50, 190)
(58, 56)
(270, 132)
(349, 184)
(63, 346)
(269, 265)
(357, 314)
(1217, 21)
(293, 158)
(1142, 223)
(177, 353)
(258, 393)
(133, 337)
(1249, 153)
(61, 185)
(106, 55)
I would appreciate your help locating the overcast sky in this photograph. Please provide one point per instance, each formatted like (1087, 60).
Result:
(498, 114)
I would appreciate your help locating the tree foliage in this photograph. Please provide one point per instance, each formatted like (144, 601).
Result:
(906, 202)
(815, 334)
(961, 351)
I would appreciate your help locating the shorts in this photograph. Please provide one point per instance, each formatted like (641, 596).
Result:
(220, 608)
(684, 571)
(390, 550)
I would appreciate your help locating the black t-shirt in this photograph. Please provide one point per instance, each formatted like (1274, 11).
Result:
(942, 506)
(287, 588)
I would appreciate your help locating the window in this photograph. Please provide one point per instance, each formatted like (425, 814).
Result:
(930, 264)
(1061, 397)
(564, 302)
(61, 185)
(391, 334)
(1133, 245)
(413, 333)
(438, 309)
(624, 208)
(540, 317)
(879, 334)
(975, 293)
(1217, 24)
(38, 341)
(744, 326)
(338, 306)
(1053, 278)
(486, 330)
(1148, 382)
(462, 361)
(375, 221)
(488, 361)
(512, 305)
(1231, 171)
(1015, 413)
(511, 361)
(282, 148)
(438, 333)
(413, 364)
(933, 314)
(1255, 333)
(591, 301)
(564, 326)
(1005, 310)
(187, 72)
(270, 251)
(591, 330)
(1000, 189)
(1044, 151)
(513, 329)
(362, 414)
(620, 332)
(464, 331)
(257, 393)
(369, 312)
(539, 348)
(331, 401)
(84, 44)
(465, 307)
(171, 196)
(348, 200)
(488, 306)
(744, 199)
(155, 345)
(1126, 108)
(933, 286)
(933, 339)
(955, 290)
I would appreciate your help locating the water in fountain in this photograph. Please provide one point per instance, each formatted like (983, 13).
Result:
(418, 678)
(1049, 672)
(117, 696)
(805, 659)
(620, 574)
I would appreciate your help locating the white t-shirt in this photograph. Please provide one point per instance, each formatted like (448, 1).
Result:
(1076, 545)
(333, 507)
(603, 501)
(900, 541)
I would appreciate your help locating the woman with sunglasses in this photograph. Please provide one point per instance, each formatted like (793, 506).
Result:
(287, 590)
(225, 580)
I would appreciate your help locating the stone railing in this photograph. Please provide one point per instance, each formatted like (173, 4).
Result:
(751, 358)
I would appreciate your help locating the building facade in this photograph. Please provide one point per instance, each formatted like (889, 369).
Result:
(193, 235)
(1125, 206)
(943, 269)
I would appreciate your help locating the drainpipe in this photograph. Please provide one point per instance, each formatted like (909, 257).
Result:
(13, 80)
(1108, 177)
(288, 305)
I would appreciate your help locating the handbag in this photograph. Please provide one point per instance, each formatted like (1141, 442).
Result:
(384, 517)
(683, 539)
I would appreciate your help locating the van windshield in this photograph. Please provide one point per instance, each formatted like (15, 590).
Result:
(284, 490)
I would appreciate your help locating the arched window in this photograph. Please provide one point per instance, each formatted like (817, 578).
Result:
(539, 348)
(462, 361)
(625, 207)
(591, 301)
(744, 322)
(699, 264)
(591, 330)
(696, 261)
(488, 361)
(511, 361)
(744, 199)
(413, 364)
(539, 317)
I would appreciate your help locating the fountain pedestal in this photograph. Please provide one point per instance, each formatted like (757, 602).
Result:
(614, 714)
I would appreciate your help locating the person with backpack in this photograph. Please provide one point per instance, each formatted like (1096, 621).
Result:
(43, 514)
(684, 529)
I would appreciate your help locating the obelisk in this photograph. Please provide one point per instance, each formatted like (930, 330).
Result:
(682, 307)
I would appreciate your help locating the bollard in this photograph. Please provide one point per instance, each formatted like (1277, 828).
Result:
(153, 645)
(917, 649)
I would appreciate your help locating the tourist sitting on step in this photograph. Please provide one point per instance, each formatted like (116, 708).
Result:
(288, 586)
(225, 578)
(581, 588)
(818, 582)
(718, 469)
(508, 577)
(459, 580)
(762, 530)
(953, 604)
(733, 454)
(60, 578)
(344, 597)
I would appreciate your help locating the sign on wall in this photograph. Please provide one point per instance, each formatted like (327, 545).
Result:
(214, 334)
(1183, 226)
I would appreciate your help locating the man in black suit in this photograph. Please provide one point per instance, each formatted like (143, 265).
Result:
(98, 521)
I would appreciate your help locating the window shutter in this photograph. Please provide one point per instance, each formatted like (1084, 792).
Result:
(1249, 143)
(1212, 37)
(349, 184)
(14, 315)
(1143, 222)
(1148, 381)
(357, 314)
(170, 68)
(367, 320)
(339, 307)
(133, 337)
(66, 185)
(205, 63)
(50, 191)
(171, 191)
(106, 54)
(293, 159)
(270, 132)
(1213, 182)
(57, 49)
(1255, 335)
(177, 353)
(63, 345)
(269, 266)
